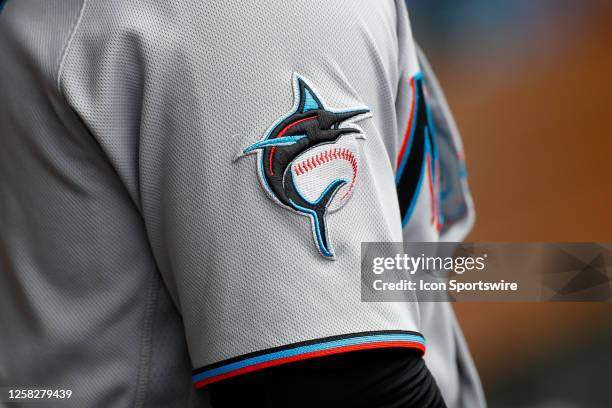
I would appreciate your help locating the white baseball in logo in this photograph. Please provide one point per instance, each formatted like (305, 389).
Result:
(315, 169)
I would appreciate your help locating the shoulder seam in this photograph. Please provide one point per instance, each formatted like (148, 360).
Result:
(67, 47)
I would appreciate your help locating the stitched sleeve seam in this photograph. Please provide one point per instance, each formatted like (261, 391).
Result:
(68, 46)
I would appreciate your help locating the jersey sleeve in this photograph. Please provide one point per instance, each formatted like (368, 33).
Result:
(430, 173)
(435, 205)
(447, 348)
(456, 207)
(249, 137)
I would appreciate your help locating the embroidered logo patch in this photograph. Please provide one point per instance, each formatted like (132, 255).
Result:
(308, 160)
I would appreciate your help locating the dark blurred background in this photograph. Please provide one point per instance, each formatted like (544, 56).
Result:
(529, 84)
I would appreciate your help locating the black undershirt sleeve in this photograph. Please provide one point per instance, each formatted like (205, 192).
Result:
(383, 378)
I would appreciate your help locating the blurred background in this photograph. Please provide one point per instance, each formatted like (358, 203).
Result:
(529, 84)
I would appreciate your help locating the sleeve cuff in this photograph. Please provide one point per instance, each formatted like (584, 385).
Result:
(305, 350)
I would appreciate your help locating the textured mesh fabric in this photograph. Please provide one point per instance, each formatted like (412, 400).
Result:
(76, 276)
(133, 247)
(242, 270)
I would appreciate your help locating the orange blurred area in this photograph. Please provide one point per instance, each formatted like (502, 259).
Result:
(537, 134)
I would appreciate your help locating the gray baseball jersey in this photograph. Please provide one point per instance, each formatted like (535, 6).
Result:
(185, 186)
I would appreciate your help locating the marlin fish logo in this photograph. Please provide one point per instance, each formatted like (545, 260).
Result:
(309, 124)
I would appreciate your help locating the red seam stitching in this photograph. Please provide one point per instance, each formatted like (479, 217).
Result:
(327, 156)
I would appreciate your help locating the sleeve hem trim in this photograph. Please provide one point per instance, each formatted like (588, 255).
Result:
(305, 350)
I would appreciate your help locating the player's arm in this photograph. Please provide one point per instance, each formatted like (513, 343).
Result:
(374, 378)
(435, 204)
(248, 136)
(448, 349)
(456, 206)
